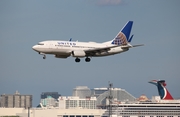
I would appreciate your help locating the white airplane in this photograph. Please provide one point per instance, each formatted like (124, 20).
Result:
(64, 49)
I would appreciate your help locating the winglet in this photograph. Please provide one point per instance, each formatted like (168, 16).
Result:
(163, 92)
(123, 36)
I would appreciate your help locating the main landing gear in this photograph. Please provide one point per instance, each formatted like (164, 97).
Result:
(77, 60)
(86, 59)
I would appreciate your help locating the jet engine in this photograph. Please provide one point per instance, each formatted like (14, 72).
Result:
(78, 53)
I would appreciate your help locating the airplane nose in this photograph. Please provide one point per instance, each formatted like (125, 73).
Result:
(34, 47)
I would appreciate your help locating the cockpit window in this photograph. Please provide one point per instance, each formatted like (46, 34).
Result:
(40, 43)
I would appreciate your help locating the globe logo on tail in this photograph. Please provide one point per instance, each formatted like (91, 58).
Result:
(120, 39)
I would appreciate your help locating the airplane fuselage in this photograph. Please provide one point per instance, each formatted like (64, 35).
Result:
(63, 49)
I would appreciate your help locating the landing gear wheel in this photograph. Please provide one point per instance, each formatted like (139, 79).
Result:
(44, 57)
(77, 60)
(87, 59)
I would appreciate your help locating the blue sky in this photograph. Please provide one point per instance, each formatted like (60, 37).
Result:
(25, 23)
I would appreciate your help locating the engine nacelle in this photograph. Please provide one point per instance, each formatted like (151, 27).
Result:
(78, 53)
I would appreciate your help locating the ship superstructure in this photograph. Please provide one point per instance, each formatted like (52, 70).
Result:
(145, 110)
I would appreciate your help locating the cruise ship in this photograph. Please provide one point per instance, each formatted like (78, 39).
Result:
(160, 106)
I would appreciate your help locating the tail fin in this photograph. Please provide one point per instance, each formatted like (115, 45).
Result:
(163, 92)
(122, 38)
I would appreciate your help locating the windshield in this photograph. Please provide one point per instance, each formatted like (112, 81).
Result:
(40, 43)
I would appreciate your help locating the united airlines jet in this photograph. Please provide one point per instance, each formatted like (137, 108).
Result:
(64, 49)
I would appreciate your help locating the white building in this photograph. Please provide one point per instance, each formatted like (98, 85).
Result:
(101, 94)
(51, 112)
(117, 93)
(81, 91)
(76, 102)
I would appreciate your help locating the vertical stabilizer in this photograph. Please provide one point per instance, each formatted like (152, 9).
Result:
(163, 92)
(122, 38)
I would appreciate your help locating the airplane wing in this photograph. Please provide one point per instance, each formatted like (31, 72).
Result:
(91, 52)
(95, 50)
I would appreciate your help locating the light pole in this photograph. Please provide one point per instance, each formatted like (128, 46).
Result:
(110, 99)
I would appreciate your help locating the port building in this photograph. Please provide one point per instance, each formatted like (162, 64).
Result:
(73, 102)
(81, 92)
(102, 93)
(15, 100)
(84, 95)
(121, 95)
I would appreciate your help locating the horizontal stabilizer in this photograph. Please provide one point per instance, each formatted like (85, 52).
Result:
(137, 45)
(131, 46)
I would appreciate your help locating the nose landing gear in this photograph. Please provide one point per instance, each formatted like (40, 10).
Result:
(44, 56)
